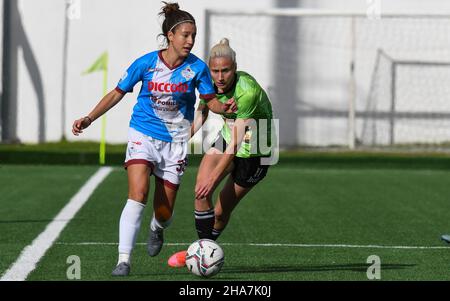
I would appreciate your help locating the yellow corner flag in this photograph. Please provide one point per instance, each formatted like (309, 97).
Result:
(101, 64)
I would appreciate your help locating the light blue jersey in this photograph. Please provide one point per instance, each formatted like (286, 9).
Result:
(165, 105)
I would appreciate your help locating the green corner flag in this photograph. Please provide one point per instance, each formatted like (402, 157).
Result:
(101, 64)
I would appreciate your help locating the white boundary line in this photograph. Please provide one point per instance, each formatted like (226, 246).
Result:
(270, 245)
(32, 253)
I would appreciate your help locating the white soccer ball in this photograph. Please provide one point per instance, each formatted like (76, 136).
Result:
(204, 258)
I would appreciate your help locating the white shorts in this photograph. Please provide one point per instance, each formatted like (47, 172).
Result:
(167, 160)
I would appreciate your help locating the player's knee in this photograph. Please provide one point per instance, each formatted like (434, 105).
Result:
(138, 196)
(220, 216)
(203, 203)
(163, 213)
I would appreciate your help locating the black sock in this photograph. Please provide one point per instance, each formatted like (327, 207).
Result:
(204, 223)
(215, 234)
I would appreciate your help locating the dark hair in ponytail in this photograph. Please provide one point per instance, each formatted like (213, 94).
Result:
(173, 16)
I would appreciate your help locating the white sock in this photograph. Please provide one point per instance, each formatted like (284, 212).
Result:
(130, 223)
(155, 224)
(124, 257)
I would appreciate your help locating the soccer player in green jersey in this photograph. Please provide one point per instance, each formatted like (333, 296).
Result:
(237, 152)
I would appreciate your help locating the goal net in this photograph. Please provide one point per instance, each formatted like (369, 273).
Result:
(408, 103)
(344, 79)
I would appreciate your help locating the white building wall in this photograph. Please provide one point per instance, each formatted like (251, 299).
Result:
(39, 69)
(126, 29)
(1, 47)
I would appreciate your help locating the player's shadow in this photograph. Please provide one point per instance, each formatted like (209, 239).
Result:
(227, 272)
(355, 267)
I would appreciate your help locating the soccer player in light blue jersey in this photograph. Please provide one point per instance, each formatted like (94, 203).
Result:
(159, 127)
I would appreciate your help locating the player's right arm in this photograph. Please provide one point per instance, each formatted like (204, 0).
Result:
(204, 187)
(132, 76)
(106, 103)
(207, 94)
(222, 108)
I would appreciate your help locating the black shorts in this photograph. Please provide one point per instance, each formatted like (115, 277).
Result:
(247, 172)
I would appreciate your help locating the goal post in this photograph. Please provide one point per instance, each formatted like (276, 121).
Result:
(318, 67)
(417, 96)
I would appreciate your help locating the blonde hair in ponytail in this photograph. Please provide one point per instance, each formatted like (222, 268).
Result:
(222, 49)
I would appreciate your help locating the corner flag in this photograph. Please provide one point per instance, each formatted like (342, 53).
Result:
(101, 64)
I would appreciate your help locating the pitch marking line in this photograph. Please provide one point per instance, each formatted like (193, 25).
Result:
(32, 253)
(270, 245)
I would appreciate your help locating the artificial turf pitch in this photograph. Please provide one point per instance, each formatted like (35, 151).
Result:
(299, 223)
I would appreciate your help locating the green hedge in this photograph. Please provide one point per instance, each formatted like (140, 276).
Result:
(86, 153)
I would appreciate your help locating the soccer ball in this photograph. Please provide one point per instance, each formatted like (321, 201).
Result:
(204, 258)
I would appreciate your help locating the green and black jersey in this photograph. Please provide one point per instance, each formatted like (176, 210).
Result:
(253, 104)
